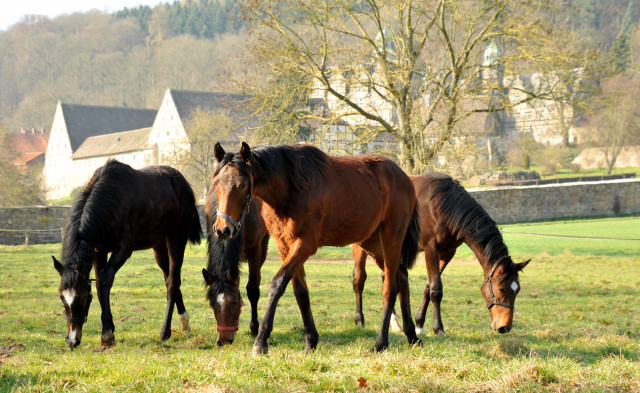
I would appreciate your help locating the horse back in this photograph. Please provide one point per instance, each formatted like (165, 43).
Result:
(141, 206)
(361, 193)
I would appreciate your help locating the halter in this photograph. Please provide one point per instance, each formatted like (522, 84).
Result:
(247, 208)
(222, 328)
(494, 300)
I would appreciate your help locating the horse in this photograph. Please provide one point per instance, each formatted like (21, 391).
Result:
(122, 210)
(222, 275)
(450, 216)
(312, 200)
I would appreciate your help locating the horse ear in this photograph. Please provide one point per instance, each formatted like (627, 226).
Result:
(219, 152)
(245, 153)
(208, 277)
(522, 265)
(57, 265)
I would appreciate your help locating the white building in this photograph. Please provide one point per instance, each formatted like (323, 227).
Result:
(84, 137)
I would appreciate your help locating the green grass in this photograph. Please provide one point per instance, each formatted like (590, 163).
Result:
(576, 328)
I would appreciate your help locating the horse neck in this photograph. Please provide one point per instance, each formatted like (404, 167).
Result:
(273, 191)
(485, 261)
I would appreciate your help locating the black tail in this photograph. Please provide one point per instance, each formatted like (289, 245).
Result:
(411, 243)
(188, 208)
(195, 232)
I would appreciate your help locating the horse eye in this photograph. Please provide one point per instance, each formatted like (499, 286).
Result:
(502, 290)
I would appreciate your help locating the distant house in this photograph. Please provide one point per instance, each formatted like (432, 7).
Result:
(84, 137)
(72, 126)
(168, 131)
(29, 147)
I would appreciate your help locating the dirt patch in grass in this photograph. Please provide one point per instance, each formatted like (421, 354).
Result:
(8, 351)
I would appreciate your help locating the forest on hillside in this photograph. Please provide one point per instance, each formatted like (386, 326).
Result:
(131, 57)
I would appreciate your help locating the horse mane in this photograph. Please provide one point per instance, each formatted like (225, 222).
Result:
(91, 212)
(223, 255)
(467, 220)
(300, 164)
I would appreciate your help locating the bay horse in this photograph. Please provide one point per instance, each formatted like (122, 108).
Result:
(249, 242)
(122, 210)
(450, 216)
(312, 200)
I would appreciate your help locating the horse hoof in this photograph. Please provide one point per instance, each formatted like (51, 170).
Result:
(416, 343)
(259, 351)
(108, 339)
(440, 332)
(380, 347)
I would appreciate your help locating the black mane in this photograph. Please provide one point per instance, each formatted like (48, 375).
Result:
(91, 213)
(300, 164)
(224, 259)
(467, 220)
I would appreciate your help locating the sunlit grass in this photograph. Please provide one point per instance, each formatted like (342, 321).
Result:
(576, 328)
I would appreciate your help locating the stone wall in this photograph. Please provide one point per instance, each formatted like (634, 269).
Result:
(544, 202)
(505, 205)
(32, 225)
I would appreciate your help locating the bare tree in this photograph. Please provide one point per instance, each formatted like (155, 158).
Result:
(617, 123)
(204, 129)
(407, 68)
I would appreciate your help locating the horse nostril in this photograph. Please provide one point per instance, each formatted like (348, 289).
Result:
(504, 329)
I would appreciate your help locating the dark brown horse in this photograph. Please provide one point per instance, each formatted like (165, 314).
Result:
(311, 200)
(122, 210)
(249, 242)
(449, 216)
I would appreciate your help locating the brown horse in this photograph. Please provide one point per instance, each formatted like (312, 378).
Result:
(249, 242)
(122, 210)
(449, 216)
(311, 200)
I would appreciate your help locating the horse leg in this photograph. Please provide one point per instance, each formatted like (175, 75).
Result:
(359, 277)
(107, 323)
(434, 286)
(302, 297)
(298, 254)
(405, 306)
(172, 257)
(256, 257)
(104, 282)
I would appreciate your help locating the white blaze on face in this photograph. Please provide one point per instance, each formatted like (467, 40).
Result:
(514, 286)
(69, 296)
(72, 336)
(220, 299)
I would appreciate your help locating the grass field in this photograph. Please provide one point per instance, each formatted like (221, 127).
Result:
(576, 329)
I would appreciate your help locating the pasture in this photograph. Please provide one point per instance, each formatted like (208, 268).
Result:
(576, 328)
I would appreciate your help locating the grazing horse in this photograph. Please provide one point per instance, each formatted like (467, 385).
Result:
(449, 216)
(312, 200)
(122, 210)
(249, 241)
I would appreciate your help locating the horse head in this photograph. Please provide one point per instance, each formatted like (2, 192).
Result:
(500, 288)
(75, 293)
(233, 182)
(226, 301)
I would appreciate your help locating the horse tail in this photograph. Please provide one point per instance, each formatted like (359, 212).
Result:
(411, 243)
(188, 208)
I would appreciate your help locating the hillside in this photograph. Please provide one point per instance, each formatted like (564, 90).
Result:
(131, 57)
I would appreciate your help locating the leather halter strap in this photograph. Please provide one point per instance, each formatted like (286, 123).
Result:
(494, 300)
(247, 208)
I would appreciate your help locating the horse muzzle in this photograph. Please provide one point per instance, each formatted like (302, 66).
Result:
(74, 337)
